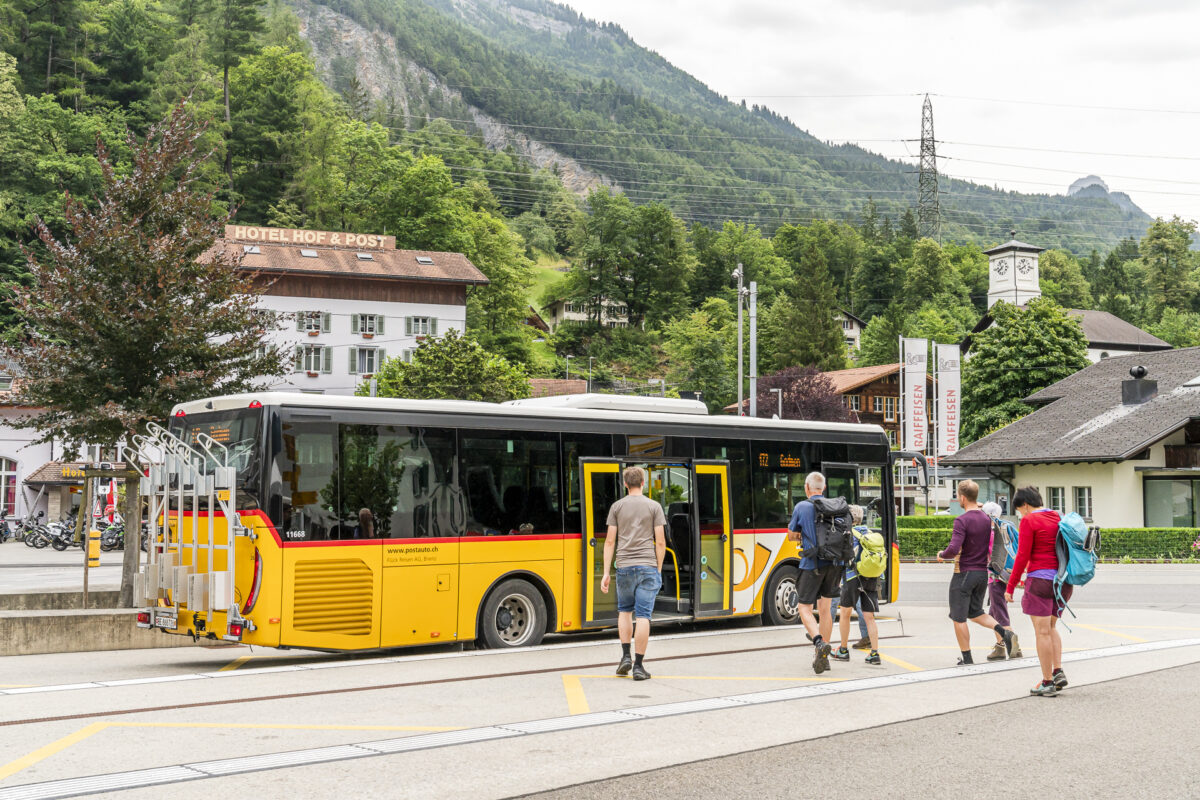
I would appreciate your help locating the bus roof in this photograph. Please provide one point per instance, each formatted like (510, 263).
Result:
(649, 412)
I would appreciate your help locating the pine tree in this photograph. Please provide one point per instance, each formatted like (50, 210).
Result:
(1167, 266)
(803, 330)
(233, 25)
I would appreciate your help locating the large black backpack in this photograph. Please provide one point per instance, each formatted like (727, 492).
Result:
(833, 528)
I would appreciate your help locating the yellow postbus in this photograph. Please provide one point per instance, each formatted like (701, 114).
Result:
(361, 523)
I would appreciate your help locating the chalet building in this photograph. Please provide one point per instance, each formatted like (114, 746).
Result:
(872, 394)
(1013, 277)
(575, 312)
(20, 457)
(1121, 450)
(355, 299)
(852, 330)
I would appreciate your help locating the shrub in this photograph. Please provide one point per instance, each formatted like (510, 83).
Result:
(921, 544)
(1125, 545)
(943, 522)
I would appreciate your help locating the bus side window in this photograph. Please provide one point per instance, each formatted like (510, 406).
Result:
(737, 453)
(510, 480)
(778, 470)
(574, 447)
(307, 464)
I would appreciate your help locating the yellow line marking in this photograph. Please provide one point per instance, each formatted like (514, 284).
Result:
(237, 662)
(576, 700)
(1154, 628)
(899, 663)
(13, 767)
(1110, 633)
(17, 685)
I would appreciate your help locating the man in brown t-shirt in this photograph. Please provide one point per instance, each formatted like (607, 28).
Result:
(636, 534)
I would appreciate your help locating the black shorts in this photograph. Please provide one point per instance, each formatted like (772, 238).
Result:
(819, 582)
(967, 590)
(861, 589)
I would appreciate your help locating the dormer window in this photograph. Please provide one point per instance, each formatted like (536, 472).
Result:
(425, 261)
(365, 257)
(251, 249)
(308, 253)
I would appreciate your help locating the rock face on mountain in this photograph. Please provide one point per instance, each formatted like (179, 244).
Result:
(1092, 186)
(1084, 183)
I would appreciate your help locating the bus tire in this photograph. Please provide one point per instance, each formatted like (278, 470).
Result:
(780, 600)
(514, 615)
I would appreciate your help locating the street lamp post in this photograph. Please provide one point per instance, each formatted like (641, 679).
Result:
(779, 399)
(589, 383)
(569, 366)
(740, 275)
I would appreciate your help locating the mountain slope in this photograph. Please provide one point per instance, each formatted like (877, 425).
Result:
(563, 90)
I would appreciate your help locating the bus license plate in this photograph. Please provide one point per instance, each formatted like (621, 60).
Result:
(166, 619)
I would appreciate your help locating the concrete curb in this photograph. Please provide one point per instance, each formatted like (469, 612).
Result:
(76, 630)
(39, 601)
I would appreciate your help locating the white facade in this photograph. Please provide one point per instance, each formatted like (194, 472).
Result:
(1013, 276)
(18, 458)
(342, 342)
(852, 329)
(574, 312)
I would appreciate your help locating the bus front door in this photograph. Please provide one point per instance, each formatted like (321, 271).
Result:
(714, 551)
(601, 487)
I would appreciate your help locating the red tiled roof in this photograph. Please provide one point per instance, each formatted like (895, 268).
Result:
(845, 380)
(550, 387)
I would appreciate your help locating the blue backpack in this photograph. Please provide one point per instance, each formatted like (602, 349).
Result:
(1077, 548)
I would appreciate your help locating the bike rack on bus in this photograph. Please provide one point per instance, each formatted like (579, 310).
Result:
(175, 471)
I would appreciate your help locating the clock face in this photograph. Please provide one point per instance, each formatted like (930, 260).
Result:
(1024, 266)
(1000, 266)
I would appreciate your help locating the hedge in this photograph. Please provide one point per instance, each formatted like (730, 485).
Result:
(1137, 544)
(945, 521)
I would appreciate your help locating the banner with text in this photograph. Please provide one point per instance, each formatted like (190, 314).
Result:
(949, 388)
(914, 356)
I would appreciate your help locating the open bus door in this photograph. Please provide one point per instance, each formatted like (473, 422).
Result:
(697, 569)
(919, 462)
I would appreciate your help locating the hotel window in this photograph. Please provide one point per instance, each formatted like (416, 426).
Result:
(420, 326)
(366, 323)
(8, 487)
(1083, 501)
(854, 402)
(365, 360)
(892, 439)
(314, 358)
(889, 413)
(1056, 498)
(877, 404)
(313, 321)
(6, 383)
(847, 325)
(407, 355)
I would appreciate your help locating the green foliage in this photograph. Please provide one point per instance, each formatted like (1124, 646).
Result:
(922, 544)
(1148, 543)
(800, 328)
(1168, 267)
(702, 348)
(945, 319)
(1179, 328)
(929, 273)
(880, 341)
(1022, 353)
(1062, 280)
(451, 367)
(940, 522)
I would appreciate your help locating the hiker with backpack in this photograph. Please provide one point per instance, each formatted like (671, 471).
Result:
(860, 586)
(822, 527)
(1037, 552)
(1004, 551)
(970, 546)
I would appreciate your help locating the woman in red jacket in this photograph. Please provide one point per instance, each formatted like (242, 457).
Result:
(1036, 552)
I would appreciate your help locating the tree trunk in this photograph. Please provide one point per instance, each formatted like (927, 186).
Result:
(131, 511)
(228, 129)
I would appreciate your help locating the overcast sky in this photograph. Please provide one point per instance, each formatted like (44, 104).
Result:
(1047, 54)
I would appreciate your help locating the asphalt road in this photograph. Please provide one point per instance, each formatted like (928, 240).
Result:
(1103, 740)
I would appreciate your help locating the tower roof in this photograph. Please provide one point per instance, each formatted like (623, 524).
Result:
(1013, 244)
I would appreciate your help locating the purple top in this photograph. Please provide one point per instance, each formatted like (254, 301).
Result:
(1048, 574)
(973, 539)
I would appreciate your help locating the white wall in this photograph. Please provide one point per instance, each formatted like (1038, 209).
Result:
(393, 340)
(16, 444)
(1095, 354)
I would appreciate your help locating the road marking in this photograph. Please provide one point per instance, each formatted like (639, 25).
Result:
(899, 663)
(178, 773)
(16, 685)
(576, 700)
(78, 736)
(237, 662)
(1154, 627)
(1110, 633)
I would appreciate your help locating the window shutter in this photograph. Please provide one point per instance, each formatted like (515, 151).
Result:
(325, 327)
(327, 360)
(408, 326)
(354, 323)
(433, 326)
(353, 360)
(300, 315)
(379, 323)
(299, 358)
(380, 355)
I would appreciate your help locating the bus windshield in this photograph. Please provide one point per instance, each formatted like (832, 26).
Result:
(238, 431)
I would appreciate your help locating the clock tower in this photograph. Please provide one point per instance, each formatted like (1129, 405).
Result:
(1013, 272)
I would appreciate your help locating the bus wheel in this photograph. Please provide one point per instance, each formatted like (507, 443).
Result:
(781, 602)
(514, 615)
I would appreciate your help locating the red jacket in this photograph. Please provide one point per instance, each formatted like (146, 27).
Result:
(1036, 539)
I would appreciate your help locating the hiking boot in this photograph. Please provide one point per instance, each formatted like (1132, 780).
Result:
(862, 644)
(625, 665)
(999, 653)
(1015, 650)
(1011, 643)
(821, 659)
(873, 658)
(1044, 690)
(841, 654)
(1060, 679)
(639, 673)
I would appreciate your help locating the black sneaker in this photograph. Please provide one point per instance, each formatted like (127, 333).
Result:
(625, 665)
(1060, 679)
(821, 659)
(873, 658)
(639, 673)
(862, 644)
(841, 654)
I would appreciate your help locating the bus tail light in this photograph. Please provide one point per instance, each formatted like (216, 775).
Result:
(256, 584)
(181, 413)
(143, 618)
(235, 630)
(255, 404)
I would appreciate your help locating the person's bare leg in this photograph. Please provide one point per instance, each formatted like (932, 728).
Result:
(810, 622)
(625, 626)
(872, 629)
(1056, 645)
(641, 637)
(825, 605)
(844, 625)
(986, 620)
(963, 634)
(1045, 645)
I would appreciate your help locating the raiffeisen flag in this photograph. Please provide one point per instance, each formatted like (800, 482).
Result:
(914, 355)
(949, 389)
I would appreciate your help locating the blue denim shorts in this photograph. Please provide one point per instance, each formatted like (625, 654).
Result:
(636, 589)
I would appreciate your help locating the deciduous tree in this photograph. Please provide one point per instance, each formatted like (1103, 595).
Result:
(807, 394)
(452, 367)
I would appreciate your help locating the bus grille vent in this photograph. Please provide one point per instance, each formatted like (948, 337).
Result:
(334, 597)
